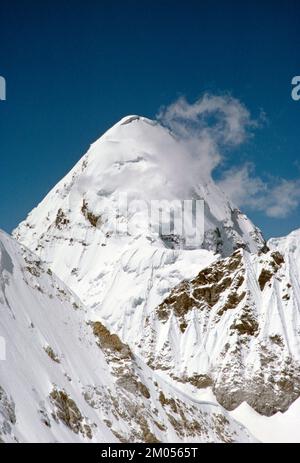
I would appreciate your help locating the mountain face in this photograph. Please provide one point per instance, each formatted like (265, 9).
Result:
(122, 278)
(218, 319)
(237, 327)
(68, 379)
(141, 158)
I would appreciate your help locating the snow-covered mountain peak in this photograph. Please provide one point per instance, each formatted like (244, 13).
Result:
(123, 277)
(220, 317)
(140, 155)
(135, 118)
(145, 161)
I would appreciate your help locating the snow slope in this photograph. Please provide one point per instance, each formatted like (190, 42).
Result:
(66, 379)
(279, 428)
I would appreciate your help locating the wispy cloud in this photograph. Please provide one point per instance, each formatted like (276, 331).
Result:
(208, 128)
(277, 197)
(223, 118)
(241, 185)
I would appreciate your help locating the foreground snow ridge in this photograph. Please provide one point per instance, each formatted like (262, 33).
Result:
(68, 379)
(133, 338)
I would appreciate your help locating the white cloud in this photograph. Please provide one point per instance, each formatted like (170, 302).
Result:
(206, 129)
(223, 118)
(283, 198)
(277, 198)
(241, 185)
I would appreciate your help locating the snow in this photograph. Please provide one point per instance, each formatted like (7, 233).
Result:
(122, 279)
(38, 311)
(280, 428)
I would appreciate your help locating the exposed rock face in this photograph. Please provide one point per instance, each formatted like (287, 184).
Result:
(206, 290)
(61, 219)
(111, 343)
(145, 405)
(7, 417)
(232, 333)
(67, 411)
(93, 219)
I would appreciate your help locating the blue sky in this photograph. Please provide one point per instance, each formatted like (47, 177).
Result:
(75, 68)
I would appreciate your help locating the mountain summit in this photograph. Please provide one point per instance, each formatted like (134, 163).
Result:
(123, 278)
(146, 161)
(216, 321)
